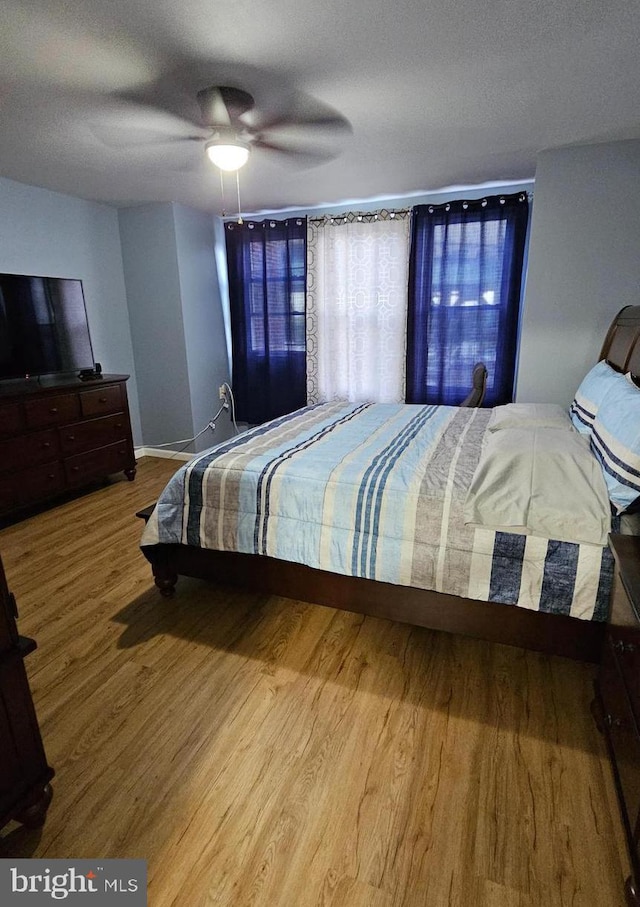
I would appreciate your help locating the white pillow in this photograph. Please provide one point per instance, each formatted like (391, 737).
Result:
(543, 482)
(529, 415)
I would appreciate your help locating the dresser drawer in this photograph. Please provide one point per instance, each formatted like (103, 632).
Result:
(38, 447)
(101, 400)
(97, 463)
(83, 436)
(55, 410)
(61, 434)
(20, 488)
(622, 732)
(11, 420)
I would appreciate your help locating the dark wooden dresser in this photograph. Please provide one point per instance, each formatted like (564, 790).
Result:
(617, 703)
(25, 792)
(57, 437)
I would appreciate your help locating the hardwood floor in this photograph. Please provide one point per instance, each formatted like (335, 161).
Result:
(260, 751)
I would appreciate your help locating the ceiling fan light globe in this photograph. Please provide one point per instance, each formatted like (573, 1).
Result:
(226, 155)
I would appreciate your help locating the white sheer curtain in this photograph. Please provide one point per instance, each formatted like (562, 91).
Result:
(357, 274)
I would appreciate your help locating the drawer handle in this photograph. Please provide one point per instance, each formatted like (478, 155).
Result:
(610, 721)
(118, 424)
(46, 444)
(51, 475)
(71, 437)
(102, 399)
(75, 469)
(54, 410)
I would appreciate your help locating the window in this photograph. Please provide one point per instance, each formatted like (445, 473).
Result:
(464, 297)
(357, 307)
(281, 280)
(267, 275)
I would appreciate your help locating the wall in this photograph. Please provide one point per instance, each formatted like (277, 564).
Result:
(47, 233)
(584, 264)
(176, 322)
(164, 327)
(203, 321)
(150, 263)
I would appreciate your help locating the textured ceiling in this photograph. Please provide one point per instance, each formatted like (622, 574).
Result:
(437, 94)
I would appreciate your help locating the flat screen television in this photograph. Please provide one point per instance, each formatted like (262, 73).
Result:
(43, 326)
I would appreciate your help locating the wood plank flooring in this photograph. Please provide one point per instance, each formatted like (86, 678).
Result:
(260, 751)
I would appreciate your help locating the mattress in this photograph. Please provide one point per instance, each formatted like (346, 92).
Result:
(375, 491)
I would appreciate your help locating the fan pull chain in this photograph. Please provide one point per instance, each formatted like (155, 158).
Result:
(224, 207)
(240, 221)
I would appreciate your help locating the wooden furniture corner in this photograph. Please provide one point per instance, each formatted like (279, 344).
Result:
(25, 791)
(616, 706)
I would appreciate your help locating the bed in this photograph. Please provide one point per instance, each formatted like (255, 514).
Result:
(296, 508)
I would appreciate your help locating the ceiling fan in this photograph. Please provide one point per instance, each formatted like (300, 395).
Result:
(235, 130)
(232, 125)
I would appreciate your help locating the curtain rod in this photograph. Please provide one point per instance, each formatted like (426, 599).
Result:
(351, 216)
(392, 213)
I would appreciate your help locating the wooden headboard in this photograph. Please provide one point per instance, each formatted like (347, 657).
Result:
(621, 347)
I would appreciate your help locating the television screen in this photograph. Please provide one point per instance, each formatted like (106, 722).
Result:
(43, 326)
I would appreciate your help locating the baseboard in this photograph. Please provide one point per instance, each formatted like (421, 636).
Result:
(165, 454)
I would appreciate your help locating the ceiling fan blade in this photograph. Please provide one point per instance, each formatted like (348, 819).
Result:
(123, 125)
(177, 104)
(214, 110)
(142, 138)
(330, 124)
(311, 155)
(300, 113)
(222, 105)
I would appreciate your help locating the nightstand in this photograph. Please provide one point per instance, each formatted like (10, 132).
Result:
(617, 704)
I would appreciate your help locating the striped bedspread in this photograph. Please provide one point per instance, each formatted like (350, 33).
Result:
(376, 491)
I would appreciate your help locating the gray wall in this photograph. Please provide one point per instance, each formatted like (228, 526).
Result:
(165, 327)
(584, 264)
(204, 327)
(55, 235)
(153, 289)
(176, 320)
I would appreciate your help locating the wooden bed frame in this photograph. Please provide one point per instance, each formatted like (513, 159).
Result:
(492, 621)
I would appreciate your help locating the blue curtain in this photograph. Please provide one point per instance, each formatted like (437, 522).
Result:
(465, 275)
(267, 277)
